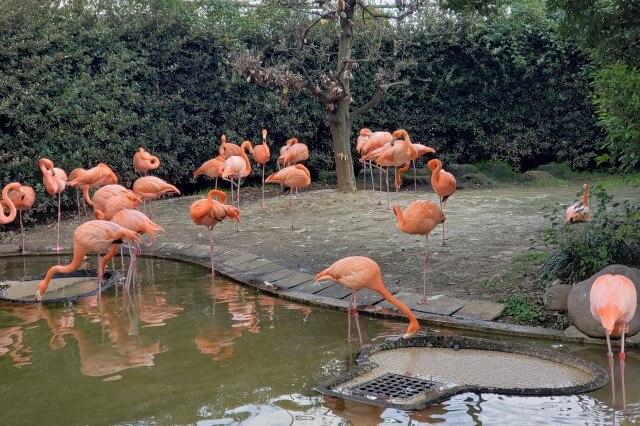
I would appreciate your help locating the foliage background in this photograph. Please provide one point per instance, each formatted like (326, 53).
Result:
(94, 80)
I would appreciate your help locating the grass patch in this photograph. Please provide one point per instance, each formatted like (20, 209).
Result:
(491, 286)
(523, 309)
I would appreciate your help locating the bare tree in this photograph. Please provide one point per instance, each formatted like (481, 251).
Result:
(331, 86)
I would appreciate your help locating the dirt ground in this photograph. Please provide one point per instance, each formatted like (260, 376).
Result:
(485, 230)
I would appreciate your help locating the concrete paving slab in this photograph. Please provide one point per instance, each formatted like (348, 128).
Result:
(250, 265)
(311, 286)
(294, 280)
(278, 274)
(440, 306)
(267, 268)
(337, 291)
(241, 258)
(481, 309)
(367, 297)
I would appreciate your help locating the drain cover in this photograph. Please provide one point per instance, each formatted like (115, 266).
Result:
(392, 385)
(393, 374)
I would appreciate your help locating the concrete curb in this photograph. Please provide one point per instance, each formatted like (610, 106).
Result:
(296, 286)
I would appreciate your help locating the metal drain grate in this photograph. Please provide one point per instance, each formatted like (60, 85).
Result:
(392, 385)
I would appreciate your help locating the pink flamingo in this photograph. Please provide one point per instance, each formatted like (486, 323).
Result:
(54, 180)
(210, 212)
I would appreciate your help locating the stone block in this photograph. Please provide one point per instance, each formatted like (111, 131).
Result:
(481, 309)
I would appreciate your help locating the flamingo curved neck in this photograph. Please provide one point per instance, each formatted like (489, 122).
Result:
(12, 207)
(413, 321)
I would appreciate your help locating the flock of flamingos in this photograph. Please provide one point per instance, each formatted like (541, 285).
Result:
(117, 218)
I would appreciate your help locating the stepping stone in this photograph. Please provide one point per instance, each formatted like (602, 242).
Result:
(481, 309)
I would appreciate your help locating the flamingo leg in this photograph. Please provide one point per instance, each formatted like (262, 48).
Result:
(291, 205)
(388, 202)
(364, 177)
(211, 246)
(353, 308)
(621, 357)
(424, 273)
(613, 382)
(443, 242)
(57, 246)
(216, 185)
(373, 187)
(263, 186)
(24, 250)
(380, 186)
(78, 203)
(415, 177)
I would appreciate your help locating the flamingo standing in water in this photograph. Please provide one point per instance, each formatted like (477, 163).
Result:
(613, 300)
(210, 212)
(94, 236)
(294, 177)
(443, 183)
(357, 273)
(138, 222)
(261, 155)
(143, 161)
(579, 212)
(419, 218)
(54, 180)
(211, 168)
(150, 187)
(23, 199)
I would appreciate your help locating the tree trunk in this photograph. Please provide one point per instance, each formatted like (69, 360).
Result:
(339, 119)
(340, 134)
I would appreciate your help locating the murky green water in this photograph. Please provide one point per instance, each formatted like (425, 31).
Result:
(181, 350)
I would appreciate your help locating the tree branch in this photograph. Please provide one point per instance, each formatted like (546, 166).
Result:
(375, 100)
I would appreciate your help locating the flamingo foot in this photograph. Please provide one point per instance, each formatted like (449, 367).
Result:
(57, 248)
(424, 301)
(24, 252)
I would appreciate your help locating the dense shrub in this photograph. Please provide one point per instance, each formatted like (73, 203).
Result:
(498, 170)
(559, 170)
(581, 249)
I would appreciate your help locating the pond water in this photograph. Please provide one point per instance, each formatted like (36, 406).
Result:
(179, 349)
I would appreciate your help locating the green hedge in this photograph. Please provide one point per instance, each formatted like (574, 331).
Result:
(82, 85)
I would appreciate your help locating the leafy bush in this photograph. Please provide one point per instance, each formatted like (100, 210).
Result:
(523, 309)
(460, 170)
(579, 250)
(539, 178)
(475, 180)
(500, 171)
(559, 170)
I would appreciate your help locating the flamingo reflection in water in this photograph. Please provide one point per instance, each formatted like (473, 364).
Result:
(246, 309)
(11, 342)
